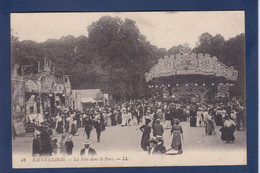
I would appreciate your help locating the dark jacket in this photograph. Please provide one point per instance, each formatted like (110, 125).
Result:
(88, 125)
(157, 130)
(91, 152)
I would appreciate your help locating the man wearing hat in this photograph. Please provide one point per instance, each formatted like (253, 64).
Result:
(157, 146)
(87, 150)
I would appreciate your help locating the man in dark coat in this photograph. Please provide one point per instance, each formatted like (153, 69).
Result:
(99, 128)
(87, 150)
(45, 139)
(88, 126)
(158, 129)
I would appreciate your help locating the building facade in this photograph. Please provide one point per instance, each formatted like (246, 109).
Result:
(35, 94)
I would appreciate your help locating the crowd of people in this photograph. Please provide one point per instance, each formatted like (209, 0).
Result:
(152, 115)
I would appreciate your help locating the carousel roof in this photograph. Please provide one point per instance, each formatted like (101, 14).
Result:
(190, 64)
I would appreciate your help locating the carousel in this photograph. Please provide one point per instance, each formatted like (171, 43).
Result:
(191, 78)
(36, 97)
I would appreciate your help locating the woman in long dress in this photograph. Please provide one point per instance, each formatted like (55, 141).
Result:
(113, 118)
(74, 128)
(124, 117)
(119, 117)
(209, 125)
(108, 115)
(146, 129)
(67, 124)
(177, 133)
(129, 118)
(193, 118)
(59, 124)
(199, 117)
(228, 130)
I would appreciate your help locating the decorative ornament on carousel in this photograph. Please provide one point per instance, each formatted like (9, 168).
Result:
(185, 50)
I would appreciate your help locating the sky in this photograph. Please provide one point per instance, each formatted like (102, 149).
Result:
(163, 29)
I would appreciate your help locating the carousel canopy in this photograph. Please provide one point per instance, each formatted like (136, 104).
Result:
(187, 64)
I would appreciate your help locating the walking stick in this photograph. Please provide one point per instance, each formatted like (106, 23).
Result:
(169, 149)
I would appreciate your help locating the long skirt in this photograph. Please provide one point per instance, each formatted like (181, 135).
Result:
(109, 121)
(59, 128)
(209, 127)
(228, 133)
(113, 121)
(176, 142)
(219, 121)
(74, 129)
(119, 119)
(67, 126)
(193, 121)
(145, 141)
(124, 121)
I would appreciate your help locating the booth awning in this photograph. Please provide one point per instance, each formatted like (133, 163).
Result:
(88, 100)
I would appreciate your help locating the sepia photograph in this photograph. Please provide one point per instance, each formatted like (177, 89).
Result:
(128, 89)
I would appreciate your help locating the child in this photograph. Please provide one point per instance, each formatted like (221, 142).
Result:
(54, 146)
(62, 145)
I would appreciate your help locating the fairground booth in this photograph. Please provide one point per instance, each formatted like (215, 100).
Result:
(191, 78)
(36, 97)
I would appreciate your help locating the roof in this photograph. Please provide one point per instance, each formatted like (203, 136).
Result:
(88, 100)
(88, 93)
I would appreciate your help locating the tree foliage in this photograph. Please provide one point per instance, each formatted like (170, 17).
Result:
(115, 56)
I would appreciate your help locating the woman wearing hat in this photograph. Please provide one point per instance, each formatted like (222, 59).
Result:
(124, 117)
(177, 133)
(146, 129)
(59, 124)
